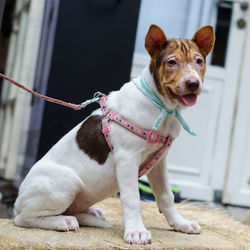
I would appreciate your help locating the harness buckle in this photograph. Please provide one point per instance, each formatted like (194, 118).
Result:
(153, 137)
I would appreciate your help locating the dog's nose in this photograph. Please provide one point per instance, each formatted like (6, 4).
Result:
(192, 84)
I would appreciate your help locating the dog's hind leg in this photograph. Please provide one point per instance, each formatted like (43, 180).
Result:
(97, 212)
(42, 201)
(92, 217)
(85, 214)
(59, 222)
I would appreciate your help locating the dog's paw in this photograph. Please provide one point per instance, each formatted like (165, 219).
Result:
(97, 212)
(67, 223)
(138, 237)
(186, 226)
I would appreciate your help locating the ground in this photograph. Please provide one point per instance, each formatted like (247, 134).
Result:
(219, 231)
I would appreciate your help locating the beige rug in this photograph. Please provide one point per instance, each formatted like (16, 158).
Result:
(219, 232)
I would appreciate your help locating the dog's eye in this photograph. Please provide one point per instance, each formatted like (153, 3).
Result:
(199, 61)
(172, 62)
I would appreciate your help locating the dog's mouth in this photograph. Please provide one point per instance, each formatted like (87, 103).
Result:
(187, 99)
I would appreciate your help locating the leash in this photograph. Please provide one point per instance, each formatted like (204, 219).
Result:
(96, 97)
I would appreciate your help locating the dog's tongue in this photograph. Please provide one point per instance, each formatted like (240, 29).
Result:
(189, 99)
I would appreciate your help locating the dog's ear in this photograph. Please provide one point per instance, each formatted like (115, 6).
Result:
(205, 38)
(155, 39)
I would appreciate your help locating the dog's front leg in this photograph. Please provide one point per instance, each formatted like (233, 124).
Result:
(158, 180)
(127, 177)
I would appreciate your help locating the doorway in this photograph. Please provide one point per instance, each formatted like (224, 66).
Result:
(200, 171)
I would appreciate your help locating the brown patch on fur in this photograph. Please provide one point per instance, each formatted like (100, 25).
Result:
(91, 140)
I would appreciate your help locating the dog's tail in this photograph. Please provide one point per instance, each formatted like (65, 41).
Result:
(90, 220)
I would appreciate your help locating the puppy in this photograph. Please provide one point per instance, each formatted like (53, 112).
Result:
(81, 170)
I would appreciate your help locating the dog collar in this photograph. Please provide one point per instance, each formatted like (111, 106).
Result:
(143, 86)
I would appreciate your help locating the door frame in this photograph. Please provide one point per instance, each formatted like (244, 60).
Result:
(233, 193)
(231, 74)
(15, 103)
(48, 32)
(227, 114)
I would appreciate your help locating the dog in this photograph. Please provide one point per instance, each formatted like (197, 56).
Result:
(80, 170)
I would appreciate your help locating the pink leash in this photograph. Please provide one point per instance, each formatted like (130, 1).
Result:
(49, 99)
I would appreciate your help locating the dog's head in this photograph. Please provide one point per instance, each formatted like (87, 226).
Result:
(178, 65)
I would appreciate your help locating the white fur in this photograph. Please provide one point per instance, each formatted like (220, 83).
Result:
(190, 73)
(66, 179)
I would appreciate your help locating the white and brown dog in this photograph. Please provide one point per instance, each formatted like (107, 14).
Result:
(80, 170)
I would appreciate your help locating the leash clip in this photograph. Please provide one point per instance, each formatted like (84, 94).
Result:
(97, 96)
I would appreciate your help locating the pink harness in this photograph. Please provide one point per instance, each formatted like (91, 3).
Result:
(149, 135)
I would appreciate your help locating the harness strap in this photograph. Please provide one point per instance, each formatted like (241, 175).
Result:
(148, 135)
(106, 132)
(151, 163)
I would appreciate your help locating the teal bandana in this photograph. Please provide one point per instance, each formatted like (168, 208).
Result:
(142, 85)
